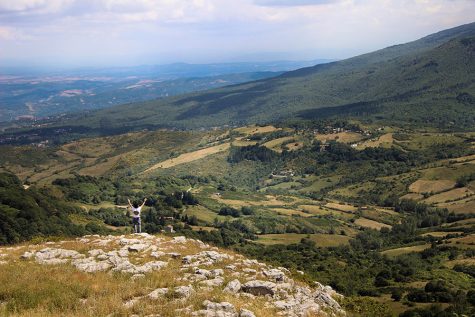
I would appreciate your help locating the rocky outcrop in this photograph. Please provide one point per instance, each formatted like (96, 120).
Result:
(258, 288)
(196, 269)
(223, 309)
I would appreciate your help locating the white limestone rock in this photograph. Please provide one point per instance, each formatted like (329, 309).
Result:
(259, 288)
(233, 286)
(159, 292)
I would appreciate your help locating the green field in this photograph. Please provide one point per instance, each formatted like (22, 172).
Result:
(321, 240)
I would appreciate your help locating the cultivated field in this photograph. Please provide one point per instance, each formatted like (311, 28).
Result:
(451, 195)
(368, 223)
(344, 137)
(431, 186)
(405, 250)
(322, 240)
(190, 157)
(386, 140)
(342, 207)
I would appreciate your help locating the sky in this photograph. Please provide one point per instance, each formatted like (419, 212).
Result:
(76, 33)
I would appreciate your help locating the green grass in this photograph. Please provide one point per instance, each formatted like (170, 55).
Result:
(452, 172)
(203, 214)
(321, 240)
(405, 250)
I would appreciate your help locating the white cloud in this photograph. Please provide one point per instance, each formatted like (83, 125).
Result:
(152, 31)
(33, 6)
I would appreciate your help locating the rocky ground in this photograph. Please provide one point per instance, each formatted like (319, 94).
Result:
(194, 277)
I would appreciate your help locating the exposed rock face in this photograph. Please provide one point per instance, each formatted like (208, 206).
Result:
(90, 265)
(258, 288)
(205, 258)
(193, 272)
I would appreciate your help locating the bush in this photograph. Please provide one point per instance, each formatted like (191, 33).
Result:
(396, 294)
(229, 211)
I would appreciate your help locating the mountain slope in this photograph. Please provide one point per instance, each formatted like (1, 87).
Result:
(431, 73)
(425, 83)
(44, 96)
(151, 276)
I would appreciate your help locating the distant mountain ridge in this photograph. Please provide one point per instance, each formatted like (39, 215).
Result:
(38, 93)
(426, 82)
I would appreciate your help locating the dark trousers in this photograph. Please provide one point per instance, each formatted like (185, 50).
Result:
(137, 223)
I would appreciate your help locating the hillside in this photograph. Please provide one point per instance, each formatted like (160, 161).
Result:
(427, 82)
(26, 97)
(151, 276)
(351, 205)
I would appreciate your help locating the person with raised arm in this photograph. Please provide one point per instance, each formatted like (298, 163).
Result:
(136, 211)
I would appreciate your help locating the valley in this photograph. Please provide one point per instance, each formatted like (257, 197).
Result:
(277, 187)
(358, 174)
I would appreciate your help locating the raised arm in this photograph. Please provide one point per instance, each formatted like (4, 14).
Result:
(145, 199)
(130, 204)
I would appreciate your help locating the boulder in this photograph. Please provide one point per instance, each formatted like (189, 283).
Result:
(218, 281)
(137, 276)
(27, 255)
(259, 288)
(183, 291)
(212, 309)
(95, 252)
(137, 247)
(233, 287)
(246, 313)
(157, 254)
(180, 239)
(159, 292)
(125, 241)
(90, 265)
(275, 275)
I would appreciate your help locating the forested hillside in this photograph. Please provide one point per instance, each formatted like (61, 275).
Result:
(428, 82)
(25, 214)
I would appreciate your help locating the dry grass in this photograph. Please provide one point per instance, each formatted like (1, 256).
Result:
(276, 143)
(342, 207)
(440, 234)
(413, 196)
(250, 130)
(431, 186)
(386, 140)
(190, 157)
(344, 137)
(100, 168)
(291, 212)
(451, 195)
(241, 142)
(30, 289)
(321, 211)
(368, 223)
(463, 159)
(294, 146)
(269, 200)
(405, 250)
(467, 242)
(467, 207)
(451, 264)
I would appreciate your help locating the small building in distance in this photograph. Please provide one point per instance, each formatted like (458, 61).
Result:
(169, 229)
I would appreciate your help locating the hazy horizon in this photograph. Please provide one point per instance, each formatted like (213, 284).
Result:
(114, 33)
